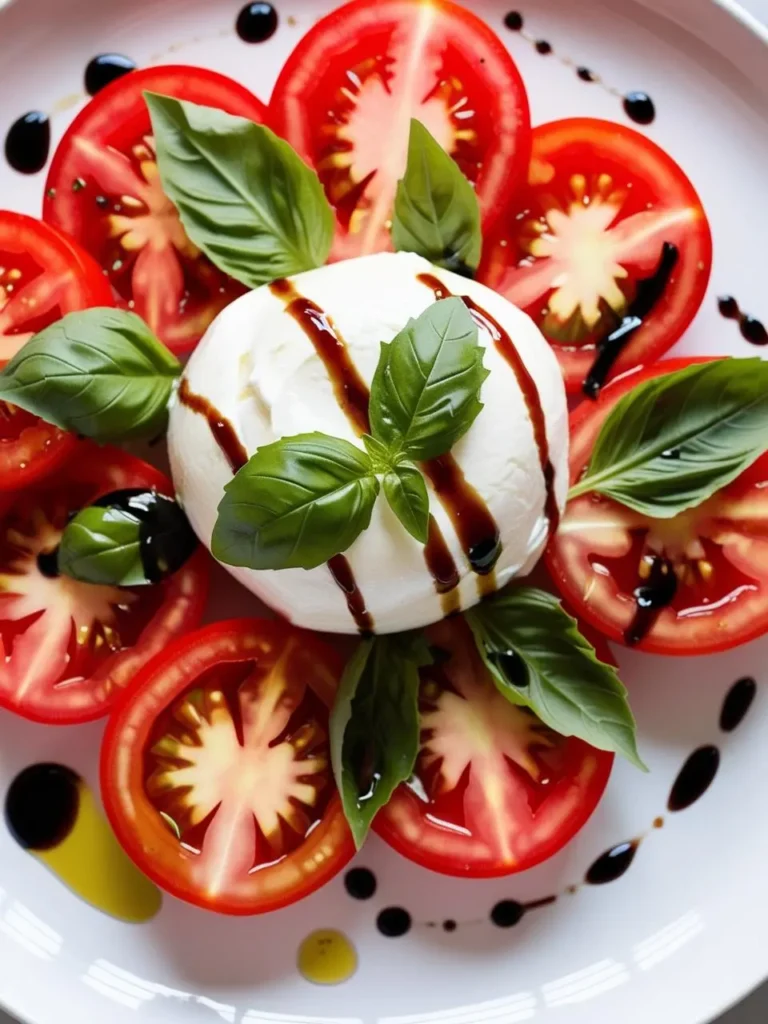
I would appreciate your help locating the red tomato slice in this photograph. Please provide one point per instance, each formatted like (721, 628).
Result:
(215, 770)
(603, 552)
(495, 791)
(69, 648)
(602, 201)
(103, 189)
(43, 275)
(347, 93)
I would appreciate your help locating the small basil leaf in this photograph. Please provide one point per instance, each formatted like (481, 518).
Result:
(676, 440)
(381, 459)
(101, 373)
(425, 393)
(129, 538)
(244, 196)
(538, 658)
(436, 214)
(374, 727)
(406, 492)
(295, 504)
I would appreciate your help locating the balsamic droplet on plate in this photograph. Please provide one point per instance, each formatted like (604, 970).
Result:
(507, 913)
(360, 883)
(543, 47)
(640, 107)
(737, 703)
(753, 330)
(696, 776)
(613, 863)
(28, 142)
(514, 21)
(106, 68)
(586, 74)
(728, 307)
(256, 22)
(394, 922)
(41, 805)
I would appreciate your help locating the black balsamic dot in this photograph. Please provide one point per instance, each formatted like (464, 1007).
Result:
(612, 864)
(41, 805)
(394, 922)
(256, 22)
(106, 68)
(360, 883)
(485, 554)
(640, 107)
(28, 142)
(507, 913)
(514, 21)
(585, 74)
(729, 307)
(753, 330)
(696, 776)
(737, 703)
(449, 926)
(543, 47)
(48, 564)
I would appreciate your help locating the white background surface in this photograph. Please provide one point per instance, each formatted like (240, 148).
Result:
(753, 1010)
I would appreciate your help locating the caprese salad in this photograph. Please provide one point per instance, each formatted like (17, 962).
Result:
(398, 285)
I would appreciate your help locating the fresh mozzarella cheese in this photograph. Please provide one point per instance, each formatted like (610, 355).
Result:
(260, 371)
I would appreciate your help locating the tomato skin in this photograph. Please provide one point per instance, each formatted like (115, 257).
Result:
(136, 822)
(739, 619)
(502, 834)
(309, 107)
(650, 185)
(175, 606)
(103, 190)
(69, 280)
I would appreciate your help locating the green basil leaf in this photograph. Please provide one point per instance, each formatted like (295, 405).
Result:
(406, 492)
(436, 213)
(374, 727)
(425, 393)
(381, 458)
(244, 195)
(130, 538)
(538, 658)
(675, 440)
(101, 373)
(295, 504)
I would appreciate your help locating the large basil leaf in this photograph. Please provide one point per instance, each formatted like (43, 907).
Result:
(675, 440)
(436, 214)
(245, 197)
(539, 659)
(295, 504)
(406, 492)
(101, 373)
(374, 727)
(425, 393)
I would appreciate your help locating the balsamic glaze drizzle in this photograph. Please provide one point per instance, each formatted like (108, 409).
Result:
(696, 776)
(344, 578)
(106, 68)
(28, 142)
(222, 430)
(41, 805)
(656, 592)
(752, 329)
(649, 291)
(737, 703)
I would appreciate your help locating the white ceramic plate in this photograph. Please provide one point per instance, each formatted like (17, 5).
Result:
(684, 932)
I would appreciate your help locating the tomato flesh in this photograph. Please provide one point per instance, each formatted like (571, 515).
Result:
(43, 276)
(603, 553)
(347, 93)
(104, 189)
(216, 768)
(494, 791)
(70, 647)
(602, 200)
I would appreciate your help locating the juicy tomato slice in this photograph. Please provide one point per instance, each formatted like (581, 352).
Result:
(43, 275)
(69, 648)
(347, 93)
(494, 790)
(602, 200)
(104, 189)
(215, 770)
(709, 565)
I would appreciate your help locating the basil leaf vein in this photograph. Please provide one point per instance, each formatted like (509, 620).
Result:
(564, 683)
(406, 492)
(101, 373)
(425, 393)
(374, 726)
(436, 213)
(244, 195)
(676, 440)
(295, 504)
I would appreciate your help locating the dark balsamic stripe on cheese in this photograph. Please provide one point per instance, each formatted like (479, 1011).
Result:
(222, 430)
(506, 348)
(353, 396)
